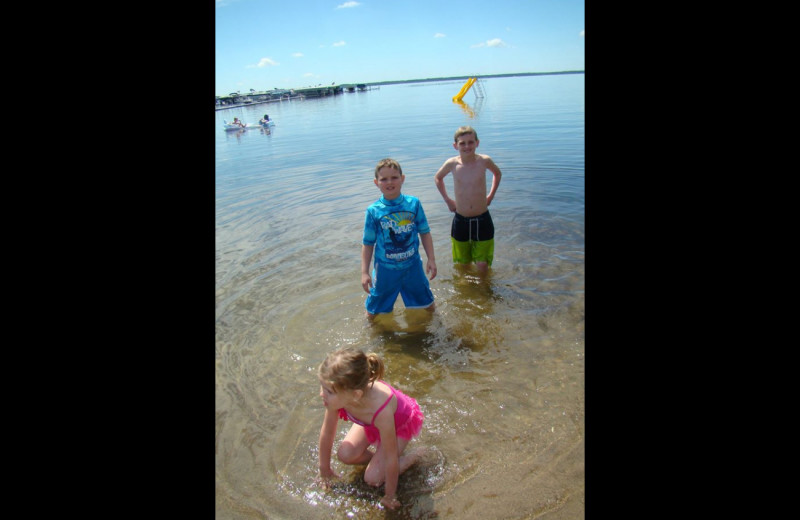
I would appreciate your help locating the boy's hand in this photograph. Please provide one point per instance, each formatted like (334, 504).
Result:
(431, 269)
(366, 282)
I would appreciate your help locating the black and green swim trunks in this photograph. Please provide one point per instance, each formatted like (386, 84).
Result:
(472, 238)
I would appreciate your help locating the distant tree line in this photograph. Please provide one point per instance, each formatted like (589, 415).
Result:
(453, 78)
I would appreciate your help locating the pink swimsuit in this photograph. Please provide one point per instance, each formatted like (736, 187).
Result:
(407, 419)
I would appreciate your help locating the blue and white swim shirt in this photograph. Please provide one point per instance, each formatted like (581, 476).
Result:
(393, 227)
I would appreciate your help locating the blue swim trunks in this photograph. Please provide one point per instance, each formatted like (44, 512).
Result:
(411, 284)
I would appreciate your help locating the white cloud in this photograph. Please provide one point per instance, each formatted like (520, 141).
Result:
(308, 75)
(297, 54)
(496, 42)
(339, 44)
(438, 35)
(265, 62)
(347, 4)
(583, 33)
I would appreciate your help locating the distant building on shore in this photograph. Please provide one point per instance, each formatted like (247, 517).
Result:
(237, 98)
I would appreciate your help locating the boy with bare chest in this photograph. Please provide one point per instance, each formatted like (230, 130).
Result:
(472, 231)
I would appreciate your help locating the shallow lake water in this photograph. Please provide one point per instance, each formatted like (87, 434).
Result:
(498, 369)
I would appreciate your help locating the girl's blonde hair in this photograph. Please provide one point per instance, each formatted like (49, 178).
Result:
(350, 369)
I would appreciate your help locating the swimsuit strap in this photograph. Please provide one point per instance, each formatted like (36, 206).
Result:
(353, 419)
(383, 405)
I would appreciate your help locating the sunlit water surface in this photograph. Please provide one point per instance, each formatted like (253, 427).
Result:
(498, 370)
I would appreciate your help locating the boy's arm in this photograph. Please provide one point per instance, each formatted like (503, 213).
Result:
(492, 167)
(438, 179)
(427, 244)
(366, 258)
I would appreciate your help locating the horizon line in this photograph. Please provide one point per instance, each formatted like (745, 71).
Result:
(443, 78)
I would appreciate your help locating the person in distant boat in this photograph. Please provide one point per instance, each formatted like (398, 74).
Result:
(237, 122)
(394, 227)
(265, 119)
(472, 230)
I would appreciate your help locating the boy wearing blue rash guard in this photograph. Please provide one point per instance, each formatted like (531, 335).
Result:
(394, 226)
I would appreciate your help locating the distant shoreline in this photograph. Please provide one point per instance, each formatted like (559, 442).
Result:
(402, 81)
(479, 76)
(454, 78)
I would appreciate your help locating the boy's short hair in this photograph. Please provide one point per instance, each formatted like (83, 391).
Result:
(388, 162)
(464, 130)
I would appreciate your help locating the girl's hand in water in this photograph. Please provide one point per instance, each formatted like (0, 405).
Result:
(390, 502)
(324, 480)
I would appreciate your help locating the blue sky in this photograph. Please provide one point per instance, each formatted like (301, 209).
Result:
(266, 44)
